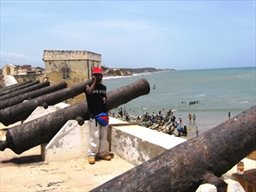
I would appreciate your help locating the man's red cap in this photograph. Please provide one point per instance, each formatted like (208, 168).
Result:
(96, 70)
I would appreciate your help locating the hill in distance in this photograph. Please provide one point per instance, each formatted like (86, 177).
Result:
(130, 71)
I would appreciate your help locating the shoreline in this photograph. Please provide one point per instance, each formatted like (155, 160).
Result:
(205, 121)
(106, 77)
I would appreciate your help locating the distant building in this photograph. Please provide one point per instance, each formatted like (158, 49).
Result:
(10, 69)
(24, 69)
(72, 66)
(23, 73)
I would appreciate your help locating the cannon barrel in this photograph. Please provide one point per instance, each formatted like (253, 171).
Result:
(21, 111)
(13, 86)
(32, 94)
(25, 90)
(18, 88)
(199, 160)
(25, 136)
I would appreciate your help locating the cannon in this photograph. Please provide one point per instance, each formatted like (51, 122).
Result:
(32, 94)
(21, 111)
(25, 90)
(202, 159)
(13, 86)
(25, 136)
(18, 88)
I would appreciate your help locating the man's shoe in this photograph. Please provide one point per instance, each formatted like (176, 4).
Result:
(106, 157)
(91, 160)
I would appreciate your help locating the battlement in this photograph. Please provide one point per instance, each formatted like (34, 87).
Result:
(58, 55)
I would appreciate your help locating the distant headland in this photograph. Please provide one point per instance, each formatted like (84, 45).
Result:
(130, 71)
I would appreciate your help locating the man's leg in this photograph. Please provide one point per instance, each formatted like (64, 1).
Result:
(104, 144)
(94, 141)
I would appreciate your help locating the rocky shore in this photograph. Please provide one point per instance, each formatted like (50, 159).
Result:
(165, 122)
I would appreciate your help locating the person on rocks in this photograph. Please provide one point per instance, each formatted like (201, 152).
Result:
(98, 123)
(190, 116)
(182, 131)
(120, 112)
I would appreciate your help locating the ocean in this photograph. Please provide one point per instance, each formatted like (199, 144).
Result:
(210, 94)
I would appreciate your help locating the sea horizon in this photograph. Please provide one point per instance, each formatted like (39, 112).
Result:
(218, 92)
(172, 70)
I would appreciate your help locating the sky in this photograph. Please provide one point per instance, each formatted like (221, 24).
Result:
(162, 34)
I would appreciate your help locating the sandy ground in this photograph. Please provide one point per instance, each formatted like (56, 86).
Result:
(28, 172)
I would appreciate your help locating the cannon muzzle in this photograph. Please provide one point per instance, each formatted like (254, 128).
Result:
(14, 86)
(25, 136)
(33, 94)
(2, 93)
(25, 90)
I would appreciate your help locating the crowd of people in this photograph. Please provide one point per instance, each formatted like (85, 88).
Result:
(165, 122)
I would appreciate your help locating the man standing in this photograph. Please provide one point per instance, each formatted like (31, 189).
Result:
(96, 101)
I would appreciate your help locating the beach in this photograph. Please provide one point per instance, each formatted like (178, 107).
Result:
(216, 92)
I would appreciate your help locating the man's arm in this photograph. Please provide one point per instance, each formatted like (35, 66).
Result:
(89, 88)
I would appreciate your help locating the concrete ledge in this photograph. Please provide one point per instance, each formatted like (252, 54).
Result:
(138, 144)
(71, 142)
(114, 121)
(133, 143)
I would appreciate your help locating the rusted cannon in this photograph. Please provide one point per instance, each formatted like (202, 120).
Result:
(41, 130)
(32, 94)
(199, 160)
(13, 86)
(18, 88)
(25, 90)
(21, 111)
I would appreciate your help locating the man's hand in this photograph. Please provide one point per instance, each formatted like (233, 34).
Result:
(94, 78)
(90, 88)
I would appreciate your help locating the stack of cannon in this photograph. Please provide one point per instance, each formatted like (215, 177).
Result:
(18, 93)
(41, 130)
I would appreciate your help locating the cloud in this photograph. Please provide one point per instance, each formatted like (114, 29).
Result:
(13, 58)
(105, 32)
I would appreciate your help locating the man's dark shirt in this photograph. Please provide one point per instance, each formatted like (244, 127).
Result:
(95, 99)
